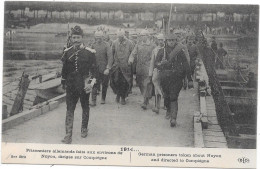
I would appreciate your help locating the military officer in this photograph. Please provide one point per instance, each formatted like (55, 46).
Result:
(104, 63)
(78, 62)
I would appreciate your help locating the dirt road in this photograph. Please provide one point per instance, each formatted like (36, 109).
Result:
(114, 124)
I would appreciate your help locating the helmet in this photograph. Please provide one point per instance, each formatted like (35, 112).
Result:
(144, 32)
(171, 36)
(98, 34)
(120, 32)
(160, 36)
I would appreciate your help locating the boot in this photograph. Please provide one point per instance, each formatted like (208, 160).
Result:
(123, 102)
(167, 107)
(69, 127)
(144, 105)
(168, 114)
(174, 111)
(102, 101)
(93, 103)
(84, 132)
(157, 104)
(67, 139)
(117, 98)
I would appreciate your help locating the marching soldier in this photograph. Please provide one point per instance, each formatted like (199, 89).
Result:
(120, 77)
(154, 73)
(173, 66)
(108, 40)
(193, 52)
(78, 62)
(104, 63)
(142, 53)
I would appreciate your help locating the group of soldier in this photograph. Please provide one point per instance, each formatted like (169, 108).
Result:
(166, 62)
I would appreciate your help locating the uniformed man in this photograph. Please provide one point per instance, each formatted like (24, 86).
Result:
(193, 52)
(120, 77)
(104, 63)
(173, 66)
(108, 40)
(221, 54)
(142, 54)
(78, 62)
(154, 73)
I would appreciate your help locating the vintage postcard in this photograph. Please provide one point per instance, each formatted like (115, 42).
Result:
(130, 84)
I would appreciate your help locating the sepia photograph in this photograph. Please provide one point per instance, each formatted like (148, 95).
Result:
(130, 84)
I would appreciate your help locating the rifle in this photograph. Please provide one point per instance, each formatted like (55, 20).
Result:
(68, 37)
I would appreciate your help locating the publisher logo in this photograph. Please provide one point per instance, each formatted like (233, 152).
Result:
(243, 160)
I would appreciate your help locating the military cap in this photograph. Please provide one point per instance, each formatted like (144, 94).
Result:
(160, 36)
(76, 30)
(171, 36)
(120, 32)
(144, 32)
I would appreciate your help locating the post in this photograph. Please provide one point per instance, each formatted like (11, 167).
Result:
(18, 102)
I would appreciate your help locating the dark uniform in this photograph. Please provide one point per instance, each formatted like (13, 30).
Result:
(172, 73)
(77, 66)
(220, 59)
(193, 53)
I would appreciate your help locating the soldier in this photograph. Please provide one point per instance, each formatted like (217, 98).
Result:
(78, 62)
(142, 53)
(104, 63)
(173, 66)
(193, 52)
(221, 54)
(108, 40)
(214, 45)
(153, 73)
(132, 65)
(120, 77)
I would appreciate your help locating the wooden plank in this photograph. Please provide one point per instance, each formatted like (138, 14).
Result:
(7, 100)
(238, 88)
(203, 107)
(215, 139)
(215, 145)
(7, 103)
(212, 118)
(216, 127)
(47, 84)
(213, 133)
(198, 135)
(244, 137)
(213, 130)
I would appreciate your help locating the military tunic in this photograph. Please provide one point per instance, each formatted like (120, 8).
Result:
(193, 53)
(154, 72)
(77, 66)
(104, 60)
(142, 53)
(173, 72)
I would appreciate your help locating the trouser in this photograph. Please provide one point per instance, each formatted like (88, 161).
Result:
(72, 98)
(102, 80)
(171, 89)
(123, 85)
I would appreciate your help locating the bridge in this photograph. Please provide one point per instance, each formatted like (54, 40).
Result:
(116, 124)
